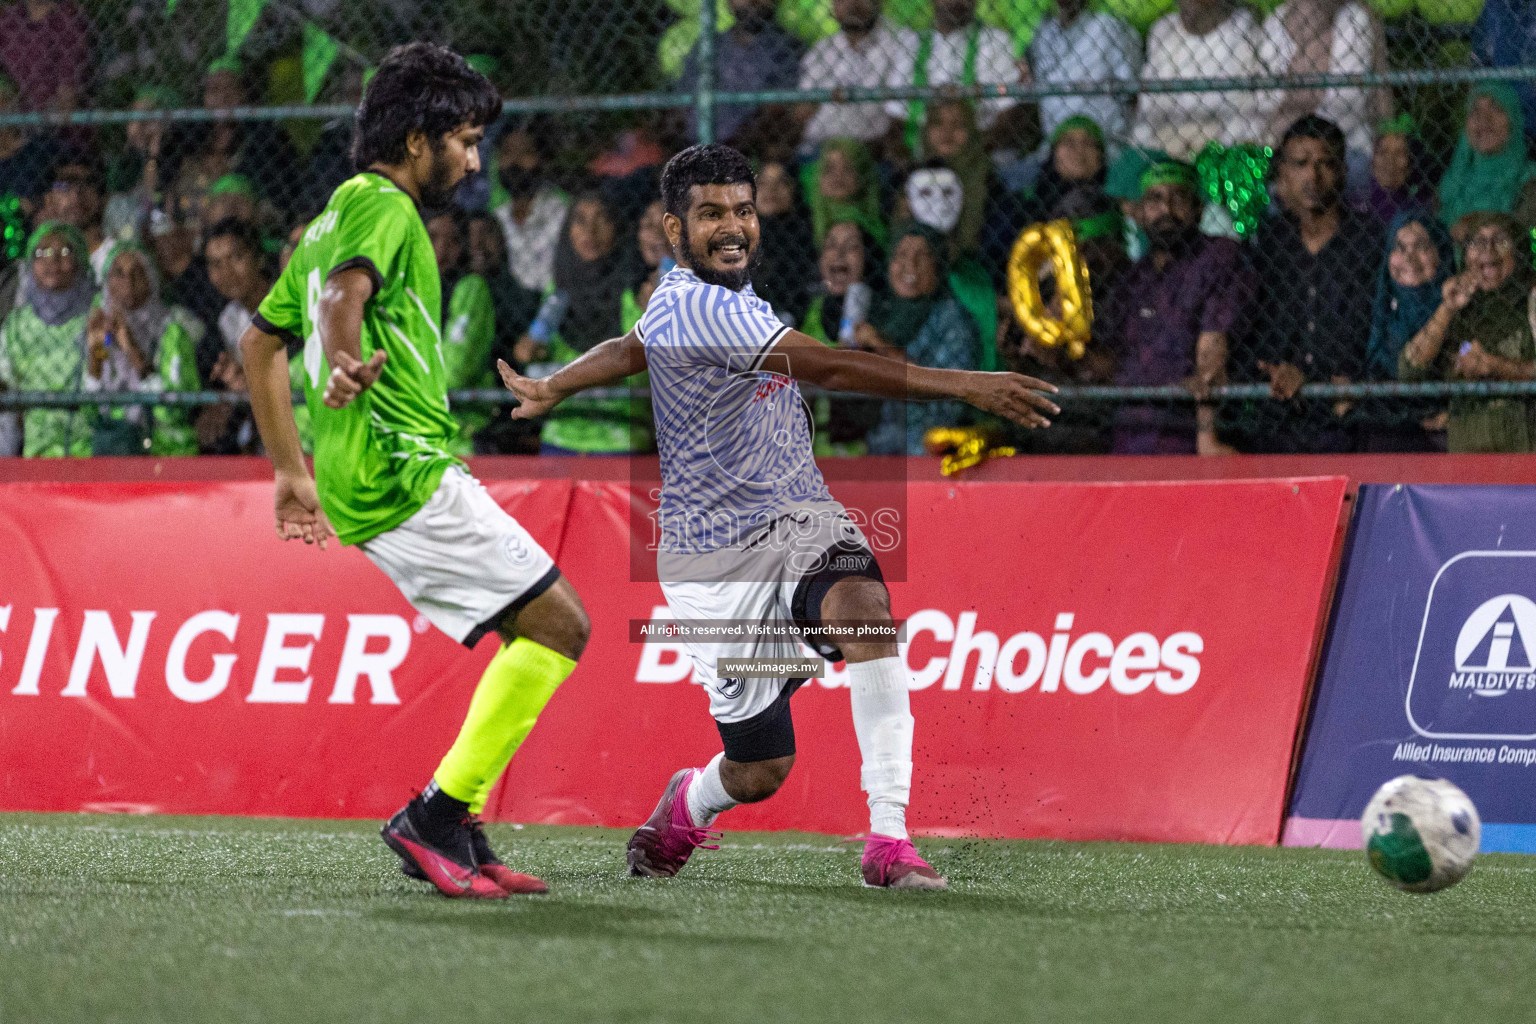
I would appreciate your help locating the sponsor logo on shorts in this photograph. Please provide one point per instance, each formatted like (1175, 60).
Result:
(515, 550)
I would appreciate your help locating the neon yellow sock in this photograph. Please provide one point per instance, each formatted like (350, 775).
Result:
(516, 685)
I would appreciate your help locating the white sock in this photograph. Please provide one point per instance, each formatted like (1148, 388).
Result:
(706, 794)
(882, 720)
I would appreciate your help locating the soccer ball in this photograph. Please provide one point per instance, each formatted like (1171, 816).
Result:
(1420, 834)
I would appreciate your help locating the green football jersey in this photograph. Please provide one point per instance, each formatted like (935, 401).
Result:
(380, 459)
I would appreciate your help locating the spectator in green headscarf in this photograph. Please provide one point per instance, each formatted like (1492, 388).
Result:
(918, 321)
(134, 341)
(233, 195)
(1490, 162)
(41, 341)
(843, 185)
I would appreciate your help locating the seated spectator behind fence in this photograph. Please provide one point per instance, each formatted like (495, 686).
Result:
(41, 342)
(594, 271)
(1073, 177)
(26, 157)
(849, 258)
(185, 273)
(256, 149)
(1202, 39)
(1328, 37)
(842, 184)
(469, 323)
(1399, 181)
(990, 216)
(783, 277)
(1504, 36)
(1490, 164)
(957, 50)
(232, 197)
(850, 276)
(1408, 291)
(863, 54)
(135, 342)
(1317, 261)
(534, 212)
(45, 48)
(1171, 317)
(918, 321)
(514, 307)
(755, 54)
(235, 259)
(1078, 45)
(1482, 332)
(1122, 184)
(330, 160)
(75, 198)
(150, 159)
(935, 198)
(655, 255)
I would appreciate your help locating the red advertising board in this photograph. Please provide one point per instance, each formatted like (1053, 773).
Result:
(1090, 661)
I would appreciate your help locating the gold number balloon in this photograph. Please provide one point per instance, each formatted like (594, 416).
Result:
(1052, 243)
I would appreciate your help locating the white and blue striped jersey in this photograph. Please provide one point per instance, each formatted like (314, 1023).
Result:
(734, 437)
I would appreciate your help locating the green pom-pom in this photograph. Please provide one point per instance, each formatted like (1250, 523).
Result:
(914, 14)
(1392, 9)
(676, 43)
(1139, 13)
(809, 20)
(1234, 180)
(1450, 12)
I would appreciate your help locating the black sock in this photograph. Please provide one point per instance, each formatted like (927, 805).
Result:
(438, 815)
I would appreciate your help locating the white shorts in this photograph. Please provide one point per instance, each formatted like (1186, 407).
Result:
(462, 561)
(764, 579)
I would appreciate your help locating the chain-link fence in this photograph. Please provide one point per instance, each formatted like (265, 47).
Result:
(1306, 227)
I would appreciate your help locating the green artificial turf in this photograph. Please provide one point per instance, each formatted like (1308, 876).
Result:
(109, 918)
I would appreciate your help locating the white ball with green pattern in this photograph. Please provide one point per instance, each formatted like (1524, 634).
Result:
(1421, 835)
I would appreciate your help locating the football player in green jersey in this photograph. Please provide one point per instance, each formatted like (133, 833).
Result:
(361, 292)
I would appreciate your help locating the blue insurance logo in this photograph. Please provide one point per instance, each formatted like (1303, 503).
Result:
(1474, 675)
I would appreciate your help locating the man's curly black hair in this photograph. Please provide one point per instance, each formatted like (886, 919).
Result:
(419, 87)
(715, 164)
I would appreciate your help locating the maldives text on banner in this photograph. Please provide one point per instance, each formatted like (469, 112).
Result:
(1430, 667)
(1114, 661)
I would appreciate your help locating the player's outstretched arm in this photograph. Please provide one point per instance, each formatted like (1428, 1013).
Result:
(607, 363)
(1012, 395)
(297, 506)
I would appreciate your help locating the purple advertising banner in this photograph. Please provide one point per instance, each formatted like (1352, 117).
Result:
(1430, 663)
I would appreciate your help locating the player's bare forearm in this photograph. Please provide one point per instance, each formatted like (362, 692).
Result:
(607, 363)
(266, 373)
(1019, 398)
(339, 314)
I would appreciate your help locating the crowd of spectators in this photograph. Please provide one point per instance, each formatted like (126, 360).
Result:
(885, 226)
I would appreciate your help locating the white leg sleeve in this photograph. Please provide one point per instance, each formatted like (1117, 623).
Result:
(882, 720)
(706, 794)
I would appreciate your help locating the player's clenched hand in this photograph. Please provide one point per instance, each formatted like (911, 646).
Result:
(298, 511)
(533, 396)
(1013, 396)
(350, 378)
